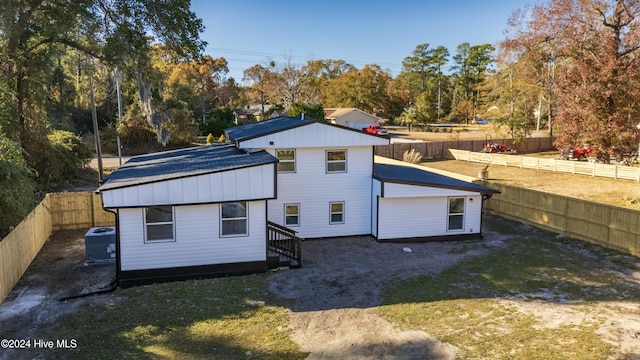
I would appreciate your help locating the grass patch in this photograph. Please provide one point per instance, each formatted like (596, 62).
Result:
(464, 304)
(224, 318)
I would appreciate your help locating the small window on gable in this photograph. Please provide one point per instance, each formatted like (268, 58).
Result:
(336, 161)
(234, 219)
(456, 214)
(292, 214)
(336, 213)
(158, 222)
(286, 161)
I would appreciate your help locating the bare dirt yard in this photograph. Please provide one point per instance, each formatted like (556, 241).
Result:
(334, 299)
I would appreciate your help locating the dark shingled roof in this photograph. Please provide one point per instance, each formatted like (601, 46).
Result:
(414, 176)
(266, 127)
(181, 163)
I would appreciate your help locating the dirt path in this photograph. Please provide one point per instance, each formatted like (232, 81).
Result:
(340, 285)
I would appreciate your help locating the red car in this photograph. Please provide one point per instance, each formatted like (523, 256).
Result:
(495, 148)
(376, 130)
(579, 152)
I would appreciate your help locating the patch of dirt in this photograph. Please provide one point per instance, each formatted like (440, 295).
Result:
(341, 283)
(58, 272)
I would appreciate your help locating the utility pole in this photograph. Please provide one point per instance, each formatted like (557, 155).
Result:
(94, 116)
(117, 75)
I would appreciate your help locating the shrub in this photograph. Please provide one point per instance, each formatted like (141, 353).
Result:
(412, 157)
(17, 188)
(210, 139)
(61, 160)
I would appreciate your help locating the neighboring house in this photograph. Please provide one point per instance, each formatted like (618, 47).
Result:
(349, 117)
(227, 209)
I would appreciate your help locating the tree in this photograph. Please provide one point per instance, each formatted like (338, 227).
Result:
(364, 89)
(318, 74)
(314, 111)
(259, 76)
(471, 63)
(593, 47)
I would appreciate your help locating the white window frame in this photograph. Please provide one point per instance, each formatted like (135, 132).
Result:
(148, 224)
(245, 218)
(331, 213)
(280, 161)
(296, 215)
(327, 161)
(460, 214)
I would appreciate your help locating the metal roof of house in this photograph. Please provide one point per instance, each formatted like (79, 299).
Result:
(181, 163)
(265, 127)
(413, 176)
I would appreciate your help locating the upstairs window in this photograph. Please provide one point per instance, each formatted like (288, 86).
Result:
(456, 214)
(336, 161)
(158, 222)
(234, 219)
(286, 161)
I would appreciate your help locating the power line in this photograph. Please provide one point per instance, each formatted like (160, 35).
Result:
(263, 55)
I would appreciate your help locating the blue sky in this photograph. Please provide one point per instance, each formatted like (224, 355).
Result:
(360, 32)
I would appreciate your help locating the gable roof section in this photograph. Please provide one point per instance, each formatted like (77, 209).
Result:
(413, 176)
(248, 132)
(168, 165)
(333, 113)
(266, 127)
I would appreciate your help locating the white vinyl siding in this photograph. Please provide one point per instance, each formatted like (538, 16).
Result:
(255, 182)
(197, 229)
(313, 188)
(423, 217)
(286, 161)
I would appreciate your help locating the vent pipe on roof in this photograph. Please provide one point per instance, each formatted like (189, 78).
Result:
(302, 116)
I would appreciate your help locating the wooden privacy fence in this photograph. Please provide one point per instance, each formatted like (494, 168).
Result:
(556, 165)
(606, 225)
(57, 211)
(439, 149)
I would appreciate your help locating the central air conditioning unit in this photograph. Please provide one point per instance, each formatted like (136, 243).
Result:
(100, 245)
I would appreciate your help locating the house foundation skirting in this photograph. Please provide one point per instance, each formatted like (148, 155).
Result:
(457, 237)
(144, 277)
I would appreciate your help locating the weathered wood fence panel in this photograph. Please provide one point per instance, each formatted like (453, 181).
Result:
(609, 226)
(58, 211)
(556, 165)
(438, 149)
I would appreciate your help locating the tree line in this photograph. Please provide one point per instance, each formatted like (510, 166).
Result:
(567, 66)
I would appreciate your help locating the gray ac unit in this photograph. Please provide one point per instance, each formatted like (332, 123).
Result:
(100, 245)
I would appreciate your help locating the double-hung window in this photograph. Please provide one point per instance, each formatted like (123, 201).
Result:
(336, 213)
(292, 214)
(234, 219)
(336, 161)
(456, 214)
(158, 221)
(286, 161)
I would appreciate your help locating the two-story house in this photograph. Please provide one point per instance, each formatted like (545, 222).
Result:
(233, 208)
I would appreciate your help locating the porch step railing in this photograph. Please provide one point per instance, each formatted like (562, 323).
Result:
(283, 243)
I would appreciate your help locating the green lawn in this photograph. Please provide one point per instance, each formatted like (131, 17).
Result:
(475, 305)
(224, 318)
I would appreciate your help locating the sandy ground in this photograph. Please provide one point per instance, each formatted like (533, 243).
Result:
(334, 296)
